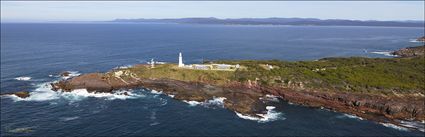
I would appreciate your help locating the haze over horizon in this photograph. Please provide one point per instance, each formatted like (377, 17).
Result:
(57, 11)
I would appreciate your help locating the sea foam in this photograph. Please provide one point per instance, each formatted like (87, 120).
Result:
(83, 93)
(171, 96)
(350, 116)
(415, 41)
(69, 118)
(271, 115)
(43, 92)
(156, 92)
(124, 67)
(216, 101)
(192, 103)
(394, 126)
(71, 74)
(413, 124)
(23, 78)
(385, 53)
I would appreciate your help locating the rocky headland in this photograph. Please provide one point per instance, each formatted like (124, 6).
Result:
(411, 51)
(383, 90)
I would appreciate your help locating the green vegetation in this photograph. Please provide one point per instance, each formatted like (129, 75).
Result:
(171, 71)
(355, 74)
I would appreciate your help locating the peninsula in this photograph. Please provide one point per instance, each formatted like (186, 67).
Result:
(378, 89)
(277, 21)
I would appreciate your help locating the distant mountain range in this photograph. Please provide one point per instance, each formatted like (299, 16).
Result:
(279, 21)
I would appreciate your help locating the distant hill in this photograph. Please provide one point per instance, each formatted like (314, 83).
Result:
(279, 21)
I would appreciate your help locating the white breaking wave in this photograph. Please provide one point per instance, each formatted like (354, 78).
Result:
(83, 93)
(154, 123)
(43, 92)
(23, 78)
(171, 96)
(156, 92)
(385, 53)
(160, 92)
(192, 103)
(71, 74)
(216, 101)
(350, 116)
(271, 115)
(124, 67)
(394, 126)
(415, 41)
(69, 118)
(411, 124)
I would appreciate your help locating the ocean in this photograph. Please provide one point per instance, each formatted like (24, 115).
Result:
(33, 55)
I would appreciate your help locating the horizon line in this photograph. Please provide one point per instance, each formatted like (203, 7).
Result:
(87, 21)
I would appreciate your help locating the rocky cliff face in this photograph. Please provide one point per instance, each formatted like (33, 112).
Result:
(369, 106)
(239, 99)
(245, 97)
(373, 107)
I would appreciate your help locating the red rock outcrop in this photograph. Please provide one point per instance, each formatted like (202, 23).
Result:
(245, 97)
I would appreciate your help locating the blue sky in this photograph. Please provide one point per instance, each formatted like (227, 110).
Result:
(33, 11)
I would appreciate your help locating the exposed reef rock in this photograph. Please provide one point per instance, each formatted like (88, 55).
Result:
(96, 82)
(65, 74)
(410, 51)
(21, 94)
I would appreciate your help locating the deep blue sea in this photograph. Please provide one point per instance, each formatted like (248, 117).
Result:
(32, 55)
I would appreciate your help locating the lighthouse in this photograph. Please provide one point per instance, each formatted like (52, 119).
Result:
(181, 60)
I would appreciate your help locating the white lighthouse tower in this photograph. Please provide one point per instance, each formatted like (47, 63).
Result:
(181, 60)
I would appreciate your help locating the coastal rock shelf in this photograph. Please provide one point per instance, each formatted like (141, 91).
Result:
(411, 51)
(378, 89)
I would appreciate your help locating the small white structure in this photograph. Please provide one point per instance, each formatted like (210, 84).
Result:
(181, 60)
(152, 63)
(222, 67)
(201, 67)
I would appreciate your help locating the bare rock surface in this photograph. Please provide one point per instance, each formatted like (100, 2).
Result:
(410, 51)
(21, 94)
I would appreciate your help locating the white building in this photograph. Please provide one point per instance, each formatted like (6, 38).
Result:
(152, 63)
(224, 67)
(181, 60)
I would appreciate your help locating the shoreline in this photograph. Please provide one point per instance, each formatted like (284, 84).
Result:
(243, 95)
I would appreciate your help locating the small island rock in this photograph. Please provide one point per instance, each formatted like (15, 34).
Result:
(21, 94)
(65, 74)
